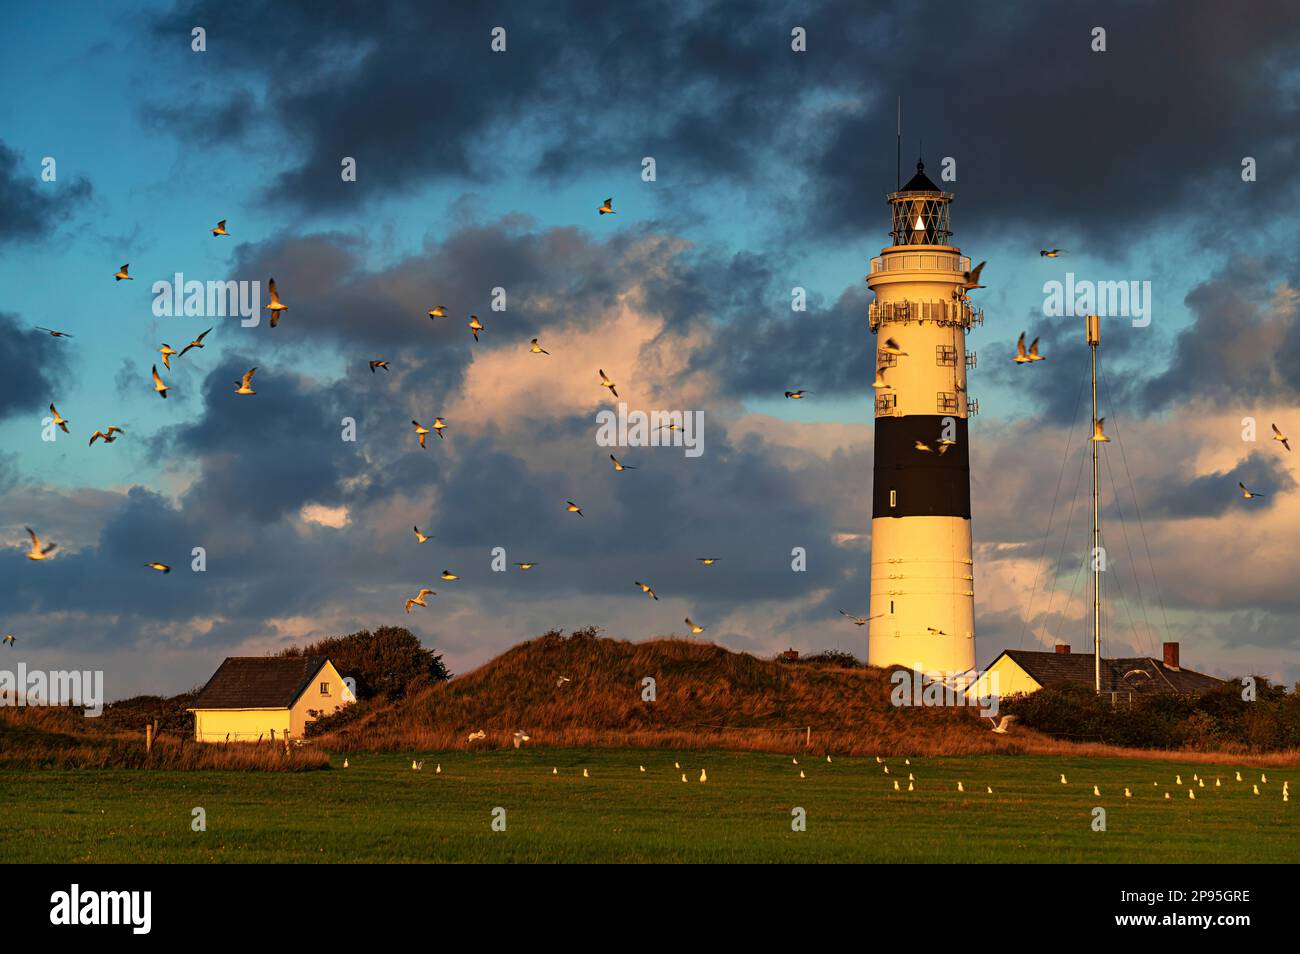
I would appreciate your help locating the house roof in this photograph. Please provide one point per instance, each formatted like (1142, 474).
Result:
(259, 682)
(1128, 674)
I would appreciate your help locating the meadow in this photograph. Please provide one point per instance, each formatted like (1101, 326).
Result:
(379, 810)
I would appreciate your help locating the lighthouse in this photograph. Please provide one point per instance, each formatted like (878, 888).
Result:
(922, 573)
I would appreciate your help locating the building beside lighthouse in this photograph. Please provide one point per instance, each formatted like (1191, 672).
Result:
(922, 573)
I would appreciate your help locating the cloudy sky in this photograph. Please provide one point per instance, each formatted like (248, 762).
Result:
(479, 169)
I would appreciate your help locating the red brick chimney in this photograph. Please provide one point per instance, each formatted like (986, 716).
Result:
(1062, 648)
(791, 655)
(1171, 655)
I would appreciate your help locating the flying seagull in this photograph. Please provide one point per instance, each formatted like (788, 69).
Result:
(277, 307)
(535, 348)
(59, 421)
(708, 561)
(971, 279)
(9, 639)
(891, 347)
(1051, 252)
(121, 274)
(220, 229)
(449, 576)
(696, 629)
(619, 465)
(879, 383)
(796, 395)
(158, 385)
(420, 537)
(52, 333)
(1247, 493)
(438, 425)
(418, 599)
(420, 432)
(647, 589)
(196, 343)
(861, 620)
(475, 326)
(242, 386)
(607, 208)
(36, 551)
(378, 364)
(1281, 438)
(438, 311)
(521, 737)
(525, 566)
(160, 567)
(167, 351)
(109, 436)
(1023, 357)
(605, 382)
(572, 507)
(1000, 728)
(1098, 434)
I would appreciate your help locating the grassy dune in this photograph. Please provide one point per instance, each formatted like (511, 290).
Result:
(380, 810)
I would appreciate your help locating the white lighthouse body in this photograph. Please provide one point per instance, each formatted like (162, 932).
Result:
(922, 573)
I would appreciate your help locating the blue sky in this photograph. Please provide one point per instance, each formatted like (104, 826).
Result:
(478, 169)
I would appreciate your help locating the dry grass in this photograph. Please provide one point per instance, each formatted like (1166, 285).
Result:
(707, 697)
(56, 737)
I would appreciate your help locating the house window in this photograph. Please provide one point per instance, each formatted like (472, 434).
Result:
(893, 498)
(945, 356)
(324, 688)
(946, 402)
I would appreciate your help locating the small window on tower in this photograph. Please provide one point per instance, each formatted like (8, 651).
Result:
(945, 356)
(946, 402)
(886, 360)
(891, 607)
(893, 498)
(885, 403)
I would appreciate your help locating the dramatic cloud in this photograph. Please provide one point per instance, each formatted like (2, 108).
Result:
(33, 364)
(29, 207)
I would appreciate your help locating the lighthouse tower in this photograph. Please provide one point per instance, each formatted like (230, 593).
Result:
(922, 576)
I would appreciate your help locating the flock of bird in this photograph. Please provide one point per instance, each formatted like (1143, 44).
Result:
(243, 388)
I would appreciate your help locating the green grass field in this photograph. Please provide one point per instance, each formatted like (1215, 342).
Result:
(379, 810)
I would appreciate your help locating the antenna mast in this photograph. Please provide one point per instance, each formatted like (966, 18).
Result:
(1094, 341)
(898, 166)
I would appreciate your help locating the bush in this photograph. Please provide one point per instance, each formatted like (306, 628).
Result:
(389, 662)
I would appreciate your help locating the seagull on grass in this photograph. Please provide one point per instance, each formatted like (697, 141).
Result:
(418, 599)
(476, 736)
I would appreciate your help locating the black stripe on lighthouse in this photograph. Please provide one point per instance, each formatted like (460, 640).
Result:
(913, 483)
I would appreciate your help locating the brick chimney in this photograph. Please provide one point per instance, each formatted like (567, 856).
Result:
(792, 655)
(1171, 655)
(1062, 648)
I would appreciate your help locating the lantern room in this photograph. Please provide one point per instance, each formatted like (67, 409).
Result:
(920, 212)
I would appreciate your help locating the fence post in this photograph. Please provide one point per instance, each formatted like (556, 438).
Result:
(148, 738)
(807, 736)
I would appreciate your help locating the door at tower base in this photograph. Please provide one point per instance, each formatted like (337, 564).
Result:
(922, 580)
